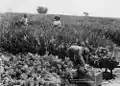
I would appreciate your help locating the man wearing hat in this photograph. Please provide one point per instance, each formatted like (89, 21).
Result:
(76, 54)
(24, 20)
(56, 22)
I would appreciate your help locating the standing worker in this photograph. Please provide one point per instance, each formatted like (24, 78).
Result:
(58, 28)
(24, 20)
(57, 22)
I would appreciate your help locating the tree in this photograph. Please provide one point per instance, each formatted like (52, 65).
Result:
(86, 14)
(42, 9)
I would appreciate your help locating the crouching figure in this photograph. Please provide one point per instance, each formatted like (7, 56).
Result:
(78, 55)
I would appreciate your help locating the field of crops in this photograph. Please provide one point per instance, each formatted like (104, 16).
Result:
(26, 46)
(99, 31)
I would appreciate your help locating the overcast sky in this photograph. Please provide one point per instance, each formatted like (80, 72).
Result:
(105, 8)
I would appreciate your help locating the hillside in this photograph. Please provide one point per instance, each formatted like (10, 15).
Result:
(66, 19)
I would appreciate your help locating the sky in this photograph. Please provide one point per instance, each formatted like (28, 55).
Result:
(101, 8)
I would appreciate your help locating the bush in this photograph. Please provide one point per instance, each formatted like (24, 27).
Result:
(29, 41)
(21, 42)
(41, 9)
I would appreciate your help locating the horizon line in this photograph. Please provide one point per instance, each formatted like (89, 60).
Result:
(62, 14)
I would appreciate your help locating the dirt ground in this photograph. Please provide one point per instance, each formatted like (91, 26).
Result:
(113, 82)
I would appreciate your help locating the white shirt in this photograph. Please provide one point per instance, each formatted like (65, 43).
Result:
(57, 23)
(75, 47)
(25, 20)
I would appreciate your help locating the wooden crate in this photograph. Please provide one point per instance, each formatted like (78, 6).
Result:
(98, 78)
(96, 81)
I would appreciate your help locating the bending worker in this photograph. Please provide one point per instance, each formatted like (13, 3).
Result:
(78, 55)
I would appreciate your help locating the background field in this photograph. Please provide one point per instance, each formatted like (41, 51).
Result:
(98, 30)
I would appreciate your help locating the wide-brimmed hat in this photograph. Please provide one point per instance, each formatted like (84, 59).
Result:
(25, 15)
(57, 17)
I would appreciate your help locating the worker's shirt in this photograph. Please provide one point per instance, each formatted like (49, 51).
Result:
(57, 23)
(76, 48)
(24, 20)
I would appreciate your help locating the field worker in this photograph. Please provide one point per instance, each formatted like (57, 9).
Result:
(57, 22)
(75, 53)
(24, 20)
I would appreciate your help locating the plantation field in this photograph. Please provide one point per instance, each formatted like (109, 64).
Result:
(75, 27)
(31, 42)
(97, 30)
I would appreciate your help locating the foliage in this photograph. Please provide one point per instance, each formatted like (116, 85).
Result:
(35, 39)
(22, 69)
(42, 9)
(22, 40)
